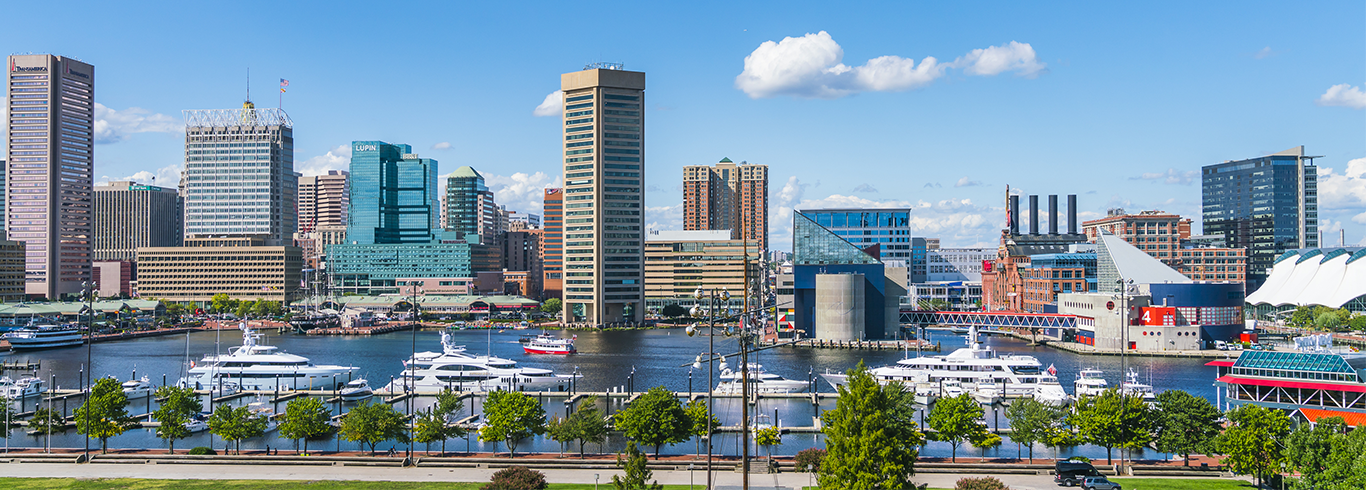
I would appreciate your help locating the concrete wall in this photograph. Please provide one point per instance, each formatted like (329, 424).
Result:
(840, 312)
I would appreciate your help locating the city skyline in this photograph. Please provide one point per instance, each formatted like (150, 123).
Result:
(1141, 99)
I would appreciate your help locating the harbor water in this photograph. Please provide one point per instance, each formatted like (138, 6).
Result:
(608, 361)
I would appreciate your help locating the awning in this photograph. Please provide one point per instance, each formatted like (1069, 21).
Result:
(1304, 385)
(1221, 363)
(1354, 419)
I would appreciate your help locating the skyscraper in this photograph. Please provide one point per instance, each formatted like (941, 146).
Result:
(727, 196)
(1267, 205)
(129, 215)
(49, 174)
(393, 195)
(552, 244)
(239, 174)
(604, 172)
(470, 209)
(323, 200)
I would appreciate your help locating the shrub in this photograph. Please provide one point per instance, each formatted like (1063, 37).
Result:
(983, 483)
(812, 457)
(517, 478)
(203, 451)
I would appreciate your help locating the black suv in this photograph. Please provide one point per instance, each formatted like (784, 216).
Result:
(1072, 473)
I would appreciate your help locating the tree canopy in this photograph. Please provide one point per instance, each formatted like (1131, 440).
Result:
(511, 416)
(1184, 424)
(587, 424)
(177, 408)
(236, 424)
(108, 412)
(1112, 420)
(552, 306)
(305, 418)
(1032, 421)
(1251, 443)
(957, 420)
(636, 469)
(373, 423)
(868, 442)
(654, 419)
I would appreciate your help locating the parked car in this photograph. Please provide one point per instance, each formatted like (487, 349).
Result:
(1072, 473)
(1098, 483)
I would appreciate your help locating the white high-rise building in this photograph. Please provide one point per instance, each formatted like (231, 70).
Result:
(49, 170)
(239, 174)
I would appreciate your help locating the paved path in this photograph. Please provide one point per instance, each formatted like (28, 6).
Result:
(724, 480)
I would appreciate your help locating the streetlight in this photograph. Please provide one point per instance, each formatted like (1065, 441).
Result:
(412, 367)
(88, 290)
(1122, 288)
(712, 296)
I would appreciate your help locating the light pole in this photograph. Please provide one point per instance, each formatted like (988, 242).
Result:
(1122, 287)
(88, 290)
(412, 366)
(711, 296)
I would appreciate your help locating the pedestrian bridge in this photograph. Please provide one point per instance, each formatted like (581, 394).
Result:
(988, 319)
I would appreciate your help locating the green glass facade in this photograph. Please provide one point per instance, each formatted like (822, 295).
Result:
(393, 195)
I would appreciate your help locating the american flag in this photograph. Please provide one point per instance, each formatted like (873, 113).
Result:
(1052, 370)
(283, 83)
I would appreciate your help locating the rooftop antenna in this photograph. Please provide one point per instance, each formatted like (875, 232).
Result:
(248, 102)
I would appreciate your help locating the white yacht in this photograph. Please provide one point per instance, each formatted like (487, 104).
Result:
(760, 381)
(976, 368)
(137, 388)
(1090, 382)
(356, 390)
(197, 424)
(1132, 387)
(455, 369)
(252, 366)
(26, 387)
(45, 337)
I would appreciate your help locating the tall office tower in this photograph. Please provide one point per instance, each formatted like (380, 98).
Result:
(239, 174)
(552, 244)
(469, 207)
(1267, 205)
(727, 196)
(49, 172)
(323, 200)
(604, 162)
(129, 215)
(393, 195)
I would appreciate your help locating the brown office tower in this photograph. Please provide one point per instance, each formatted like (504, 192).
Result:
(727, 196)
(552, 245)
(49, 183)
(604, 173)
(323, 200)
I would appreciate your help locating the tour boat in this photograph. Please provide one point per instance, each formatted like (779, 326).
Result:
(760, 381)
(1090, 382)
(27, 387)
(356, 390)
(44, 337)
(137, 388)
(549, 344)
(453, 368)
(253, 366)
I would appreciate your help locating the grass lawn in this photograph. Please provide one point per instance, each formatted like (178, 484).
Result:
(1181, 484)
(140, 484)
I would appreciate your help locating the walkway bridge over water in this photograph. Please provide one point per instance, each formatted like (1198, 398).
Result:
(985, 320)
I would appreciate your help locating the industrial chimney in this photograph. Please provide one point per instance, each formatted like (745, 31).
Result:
(1052, 214)
(1033, 215)
(1071, 214)
(1014, 215)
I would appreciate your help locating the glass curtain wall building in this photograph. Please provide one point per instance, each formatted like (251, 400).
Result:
(469, 206)
(889, 229)
(1267, 205)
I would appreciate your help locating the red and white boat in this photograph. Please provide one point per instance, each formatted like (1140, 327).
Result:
(549, 344)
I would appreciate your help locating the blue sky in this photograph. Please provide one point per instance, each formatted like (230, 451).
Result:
(1120, 104)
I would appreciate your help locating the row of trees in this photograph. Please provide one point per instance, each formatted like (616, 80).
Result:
(1325, 318)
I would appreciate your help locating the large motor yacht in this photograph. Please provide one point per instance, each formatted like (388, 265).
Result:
(976, 368)
(760, 381)
(455, 369)
(1133, 387)
(45, 337)
(253, 366)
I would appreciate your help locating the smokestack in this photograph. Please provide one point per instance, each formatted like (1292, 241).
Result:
(1071, 214)
(1052, 214)
(1033, 215)
(1342, 237)
(1014, 215)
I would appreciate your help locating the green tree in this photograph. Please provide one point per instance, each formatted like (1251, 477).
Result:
(244, 309)
(673, 311)
(697, 414)
(1111, 420)
(222, 303)
(448, 404)
(552, 306)
(1251, 442)
(1032, 421)
(46, 421)
(1347, 463)
(635, 465)
(588, 423)
(1302, 318)
(373, 423)
(178, 405)
(957, 420)
(511, 416)
(560, 430)
(1309, 451)
(108, 412)
(8, 419)
(430, 426)
(305, 418)
(1184, 424)
(1357, 323)
(869, 443)
(654, 419)
(234, 425)
(768, 437)
(1328, 321)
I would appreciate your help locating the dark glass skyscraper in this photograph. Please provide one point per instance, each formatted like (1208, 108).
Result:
(1267, 205)
(393, 195)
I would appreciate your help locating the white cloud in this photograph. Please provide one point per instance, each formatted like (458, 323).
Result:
(168, 176)
(1171, 176)
(664, 217)
(444, 145)
(966, 182)
(1343, 95)
(865, 188)
(551, 106)
(112, 126)
(1263, 53)
(520, 191)
(338, 158)
(1014, 56)
(1344, 191)
(811, 66)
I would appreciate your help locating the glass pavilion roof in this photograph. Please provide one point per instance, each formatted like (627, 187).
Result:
(1294, 361)
(813, 244)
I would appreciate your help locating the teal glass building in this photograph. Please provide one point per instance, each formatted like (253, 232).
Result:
(1267, 205)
